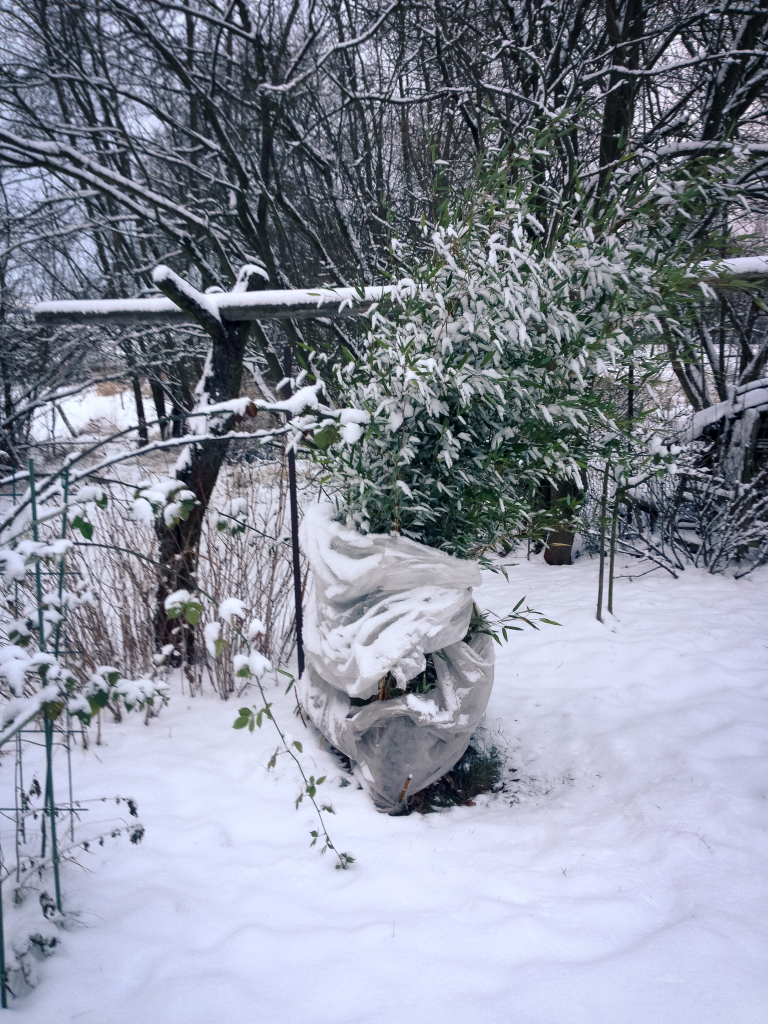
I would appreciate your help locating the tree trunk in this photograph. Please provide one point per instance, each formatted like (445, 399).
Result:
(178, 547)
(198, 468)
(559, 542)
(158, 397)
(624, 28)
(557, 550)
(143, 436)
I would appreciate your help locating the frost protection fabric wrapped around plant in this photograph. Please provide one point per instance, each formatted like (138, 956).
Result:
(380, 605)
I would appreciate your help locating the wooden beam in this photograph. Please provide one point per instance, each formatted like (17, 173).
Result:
(285, 304)
(742, 270)
(304, 303)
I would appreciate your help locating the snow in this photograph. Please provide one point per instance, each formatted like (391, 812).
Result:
(621, 879)
(245, 273)
(212, 633)
(232, 607)
(177, 599)
(256, 628)
(749, 396)
(163, 275)
(90, 414)
(254, 664)
(236, 303)
(100, 307)
(741, 266)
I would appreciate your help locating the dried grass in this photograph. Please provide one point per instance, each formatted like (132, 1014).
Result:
(254, 565)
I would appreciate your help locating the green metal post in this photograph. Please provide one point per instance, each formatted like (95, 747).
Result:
(49, 799)
(3, 971)
(61, 563)
(52, 807)
(65, 479)
(33, 497)
(15, 582)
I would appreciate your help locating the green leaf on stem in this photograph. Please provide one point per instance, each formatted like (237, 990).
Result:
(86, 528)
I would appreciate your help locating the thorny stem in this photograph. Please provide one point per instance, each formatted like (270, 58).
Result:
(289, 750)
(144, 558)
(297, 762)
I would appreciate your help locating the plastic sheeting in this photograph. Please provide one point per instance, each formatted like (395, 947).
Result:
(381, 603)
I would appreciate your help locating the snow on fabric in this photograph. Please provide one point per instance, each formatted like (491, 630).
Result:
(381, 603)
(413, 739)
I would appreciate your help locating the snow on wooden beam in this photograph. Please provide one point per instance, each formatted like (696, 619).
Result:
(689, 148)
(300, 303)
(743, 270)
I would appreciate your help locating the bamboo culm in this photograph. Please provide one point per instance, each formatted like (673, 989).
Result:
(603, 508)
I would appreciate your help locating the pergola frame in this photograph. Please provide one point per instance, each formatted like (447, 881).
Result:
(295, 304)
(223, 316)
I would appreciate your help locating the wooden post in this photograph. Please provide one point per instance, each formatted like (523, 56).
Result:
(226, 318)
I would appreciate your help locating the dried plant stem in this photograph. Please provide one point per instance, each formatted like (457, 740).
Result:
(404, 790)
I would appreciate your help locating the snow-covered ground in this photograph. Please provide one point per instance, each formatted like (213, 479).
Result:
(621, 880)
(90, 415)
